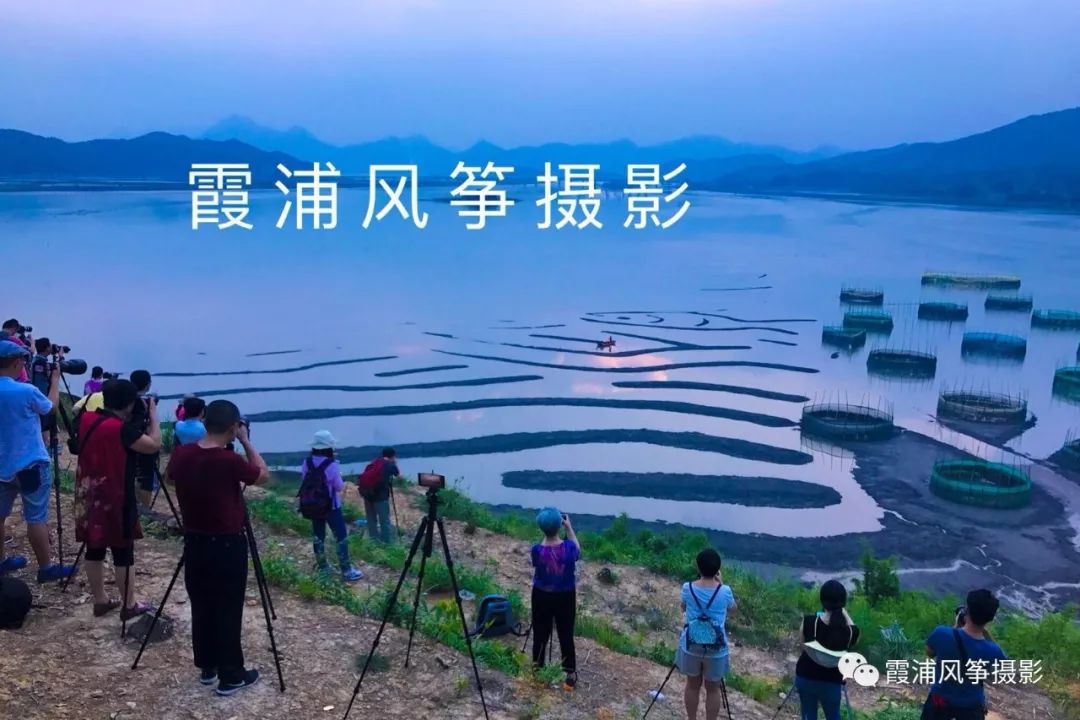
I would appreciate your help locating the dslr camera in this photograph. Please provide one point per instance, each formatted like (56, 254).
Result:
(110, 376)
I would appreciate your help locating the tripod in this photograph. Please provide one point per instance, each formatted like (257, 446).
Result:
(425, 533)
(54, 449)
(656, 696)
(264, 597)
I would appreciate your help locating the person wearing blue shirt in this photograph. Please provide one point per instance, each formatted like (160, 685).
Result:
(707, 597)
(24, 462)
(954, 696)
(190, 429)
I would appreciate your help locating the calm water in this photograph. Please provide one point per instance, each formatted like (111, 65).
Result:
(122, 279)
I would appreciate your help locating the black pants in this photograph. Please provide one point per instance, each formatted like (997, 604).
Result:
(558, 609)
(215, 572)
(121, 557)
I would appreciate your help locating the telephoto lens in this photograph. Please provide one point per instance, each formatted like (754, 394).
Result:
(73, 366)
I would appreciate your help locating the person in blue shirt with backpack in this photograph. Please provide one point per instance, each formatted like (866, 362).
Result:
(321, 486)
(962, 645)
(703, 655)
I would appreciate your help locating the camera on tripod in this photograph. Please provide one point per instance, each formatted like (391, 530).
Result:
(110, 376)
(431, 481)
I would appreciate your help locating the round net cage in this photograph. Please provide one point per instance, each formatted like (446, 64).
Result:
(982, 282)
(1009, 303)
(871, 320)
(942, 311)
(842, 421)
(838, 336)
(901, 363)
(1057, 319)
(982, 407)
(981, 483)
(1067, 382)
(862, 296)
(993, 345)
(1070, 454)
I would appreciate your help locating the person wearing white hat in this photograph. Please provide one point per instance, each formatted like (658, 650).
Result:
(322, 467)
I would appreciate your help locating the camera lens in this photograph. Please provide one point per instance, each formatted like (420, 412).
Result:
(73, 367)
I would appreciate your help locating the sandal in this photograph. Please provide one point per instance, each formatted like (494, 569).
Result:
(139, 608)
(105, 608)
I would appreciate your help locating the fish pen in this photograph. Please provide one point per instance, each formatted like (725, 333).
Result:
(947, 311)
(982, 407)
(844, 421)
(1069, 455)
(981, 483)
(975, 282)
(869, 320)
(901, 363)
(862, 296)
(994, 345)
(839, 336)
(1067, 382)
(1056, 319)
(1009, 303)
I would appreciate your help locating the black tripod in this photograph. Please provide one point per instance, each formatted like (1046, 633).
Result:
(264, 597)
(656, 695)
(426, 533)
(54, 448)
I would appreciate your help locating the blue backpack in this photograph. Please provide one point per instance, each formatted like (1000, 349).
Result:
(495, 617)
(701, 630)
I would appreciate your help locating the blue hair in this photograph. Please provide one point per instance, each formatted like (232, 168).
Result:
(549, 520)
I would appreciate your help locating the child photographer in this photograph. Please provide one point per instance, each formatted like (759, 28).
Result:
(554, 593)
(189, 426)
(703, 655)
(321, 467)
(817, 675)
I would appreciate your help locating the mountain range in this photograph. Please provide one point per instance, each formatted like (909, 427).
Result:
(1033, 162)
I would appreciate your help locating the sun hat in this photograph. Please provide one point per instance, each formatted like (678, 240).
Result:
(9, 349)
(323, 441)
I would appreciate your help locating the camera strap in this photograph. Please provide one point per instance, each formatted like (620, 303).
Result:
(963, 657)
(90, 431)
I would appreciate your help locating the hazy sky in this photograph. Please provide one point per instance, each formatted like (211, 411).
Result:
(853, 73)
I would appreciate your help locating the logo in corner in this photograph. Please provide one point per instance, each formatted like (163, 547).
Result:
(854, 666)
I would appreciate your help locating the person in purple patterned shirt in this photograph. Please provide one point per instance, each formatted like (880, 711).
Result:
(554, 593)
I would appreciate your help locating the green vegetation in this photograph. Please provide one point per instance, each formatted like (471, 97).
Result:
(168, 436)
(879, 580)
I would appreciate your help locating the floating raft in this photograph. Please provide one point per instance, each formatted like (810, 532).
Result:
(1058, 319)
(981, 483)
(862, 296)
(902, 363)
(837, 421)
(1011, 303)
(983, 408)
(843, 337)
(942, 311)
(980, 282)
(1067, 382)
(873, 320)
(994, 344)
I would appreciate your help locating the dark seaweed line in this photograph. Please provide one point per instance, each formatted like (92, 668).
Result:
(526, 327)
(365, 388)
(671, 406)
(624, 353)
(682, 487)
(312, 366)
(442, 335)
(737, 289)
(666, 341)
(564, 338)
(732, 318)
(712, 387)
(640, 368)
(517, 442)
(273, 352)
(699, 329)
(778, 342)
(416, 371)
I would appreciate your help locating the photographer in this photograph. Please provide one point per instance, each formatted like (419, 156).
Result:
(189, 426)
(24, 462)
(97, 379)
(14, 332)
(817, 674)
(210, 481)
(707, 603)
(554, 593)
(375, 485)
(968, 641)
(106, 516)
(145, 465)
(39, 378)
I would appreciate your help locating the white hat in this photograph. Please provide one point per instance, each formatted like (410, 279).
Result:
(323, 441)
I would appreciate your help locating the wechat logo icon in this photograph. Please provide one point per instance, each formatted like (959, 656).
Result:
(854, 666)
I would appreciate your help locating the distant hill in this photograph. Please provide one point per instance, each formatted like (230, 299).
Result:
(1031, 162)
(153, 157)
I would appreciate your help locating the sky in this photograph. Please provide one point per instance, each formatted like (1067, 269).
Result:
(801, 73)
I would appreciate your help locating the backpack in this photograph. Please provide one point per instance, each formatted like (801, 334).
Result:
(700, 630)
(15, 601)
(494, 617)
(315, 500)
(74, 442)
(369, 481)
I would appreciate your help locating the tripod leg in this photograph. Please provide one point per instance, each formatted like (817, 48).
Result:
(393, 503)
(528, 634)
(256, 564)
(168, 498)
(783, 702)
(54, 441)
(74, 568)
(723, 695)
(124, 598)
(157, 615)
(660, 690)
(265, 597)
(461, 612)
(390, 603)
(424, 555)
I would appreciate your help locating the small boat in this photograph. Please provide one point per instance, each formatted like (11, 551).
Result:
(984, 282)
(608, 344)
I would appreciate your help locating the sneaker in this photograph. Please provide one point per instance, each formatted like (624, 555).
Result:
(12, 563)
(207, 676)
(351, 575)
(54, 572)
(139, 608)
(571, 681)
(250, 677)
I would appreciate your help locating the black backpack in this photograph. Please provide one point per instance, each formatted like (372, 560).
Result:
(74, 443)
(495, 617)
(15, 601)
(315, 500)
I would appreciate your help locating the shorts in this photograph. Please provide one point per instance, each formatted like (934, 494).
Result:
(121, 556)
(35, 504)
(695, 663)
